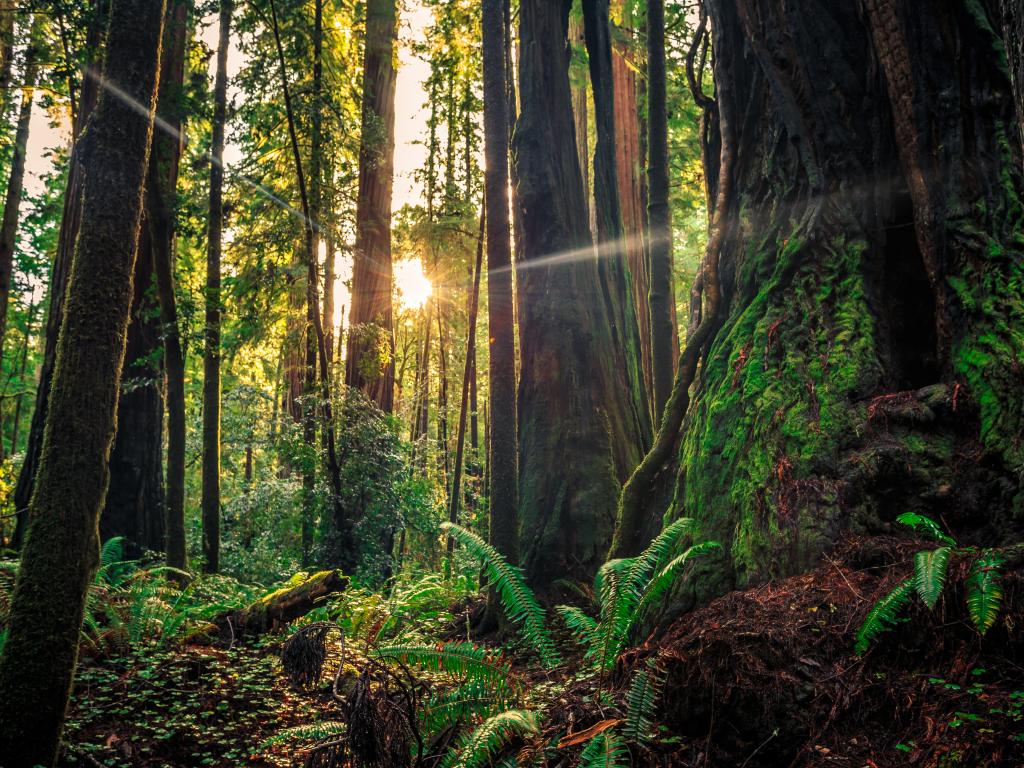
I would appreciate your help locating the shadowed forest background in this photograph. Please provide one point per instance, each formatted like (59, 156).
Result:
(511, 383)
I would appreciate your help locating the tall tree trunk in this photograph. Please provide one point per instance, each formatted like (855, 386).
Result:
(613, 245)
(1013, 41)
(16, 179)
(22, 369)
(371, 322)
(628, 163)
(135, 500)
(211, 349)
(161, 194)
(580, 111)
(7, 14)
(872, 277)
(61, 550)
(460, 439)
(57, 286)
(662, 298)
(572, 397)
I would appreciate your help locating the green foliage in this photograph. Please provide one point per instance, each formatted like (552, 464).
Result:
(922, 524)
(930, 567)
(462, 661)
(984, 593)
(478, 748)
(628, 588)
(311, 732)
(606, 750)
(883, 616)
(518, 600)
(641, 700)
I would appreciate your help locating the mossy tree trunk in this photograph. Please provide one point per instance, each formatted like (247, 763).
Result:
(61, 550)
(370, 363)
(57, 285)
(870, 360)
(573, 401)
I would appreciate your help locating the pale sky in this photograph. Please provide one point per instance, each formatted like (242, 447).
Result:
(409, 119)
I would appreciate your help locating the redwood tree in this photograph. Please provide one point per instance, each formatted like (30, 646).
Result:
(370, 361)
(572, 399)
(61, 551)
(872, 274)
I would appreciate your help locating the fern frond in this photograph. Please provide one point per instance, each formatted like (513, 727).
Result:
(520, 603)
(474, 700)
(641, 700)
(312, 732)
(984, 592)
(463, 661)
(479, 747)
(112, 551)
(662, 583)
(882, 616)
(930, 567)
(922, 524)
(605, 750)
(584, 628)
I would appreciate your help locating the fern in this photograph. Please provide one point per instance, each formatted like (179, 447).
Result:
(463, 661)
(660, 585)
(641, 700)
(472, 700)
(930, 567)
(883, 615)
(584, 628)
(606, 750)
(921, 524)
(479, 747)
(984, 592)
(518, 599)
(312, 732)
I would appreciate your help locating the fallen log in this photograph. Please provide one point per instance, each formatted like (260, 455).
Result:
(275, 610)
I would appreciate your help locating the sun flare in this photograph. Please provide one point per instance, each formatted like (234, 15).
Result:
(413, 286)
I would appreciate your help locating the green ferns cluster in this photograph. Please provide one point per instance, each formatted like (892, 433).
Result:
(931, 568)
(628, 588)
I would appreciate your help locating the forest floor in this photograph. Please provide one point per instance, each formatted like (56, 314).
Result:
(762, 677)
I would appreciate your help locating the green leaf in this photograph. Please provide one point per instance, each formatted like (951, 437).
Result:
(605, 750)
(930, 567)
(479, 747)
(883, 616)
(641, 700)
(520, 603)
(984, 592)
(927, 526)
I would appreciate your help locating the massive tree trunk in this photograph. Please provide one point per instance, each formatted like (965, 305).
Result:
(613, 265)
(61, 550)
(57, 286)
(873, 279)
(572, 397)
(370, 363)
(1013, 41)
(211, 347)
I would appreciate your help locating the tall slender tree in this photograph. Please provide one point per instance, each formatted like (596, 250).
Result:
(211, 351)
(16, 178)
(662, 302)
(370, 360)
(61, 552)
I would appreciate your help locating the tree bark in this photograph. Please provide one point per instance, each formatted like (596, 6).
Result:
(871, 278)
(371, 314)
(61, 551)
(22, 369)
(1013, 41)
(661, 304)
(57, 286)
(210, 501)
(613, 241)
(273, 611)
(572, 397)
(7, 13)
